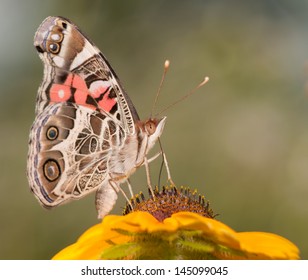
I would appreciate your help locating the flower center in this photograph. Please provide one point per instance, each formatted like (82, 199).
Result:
(168, 201)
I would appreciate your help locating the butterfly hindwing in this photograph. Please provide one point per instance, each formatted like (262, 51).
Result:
(70, 151)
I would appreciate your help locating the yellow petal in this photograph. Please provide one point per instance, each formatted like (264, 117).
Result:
(268, 245)
(211, 228)
(117, 230)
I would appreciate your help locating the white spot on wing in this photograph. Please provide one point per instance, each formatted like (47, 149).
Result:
(55, 37)
(97, 86)
(59, 61)
(61, 93)
(85, 54)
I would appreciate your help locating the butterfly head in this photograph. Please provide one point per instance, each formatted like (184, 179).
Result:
(151, 129)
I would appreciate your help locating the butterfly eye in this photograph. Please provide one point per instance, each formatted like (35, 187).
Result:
(51, 170)
(54, 48)
(150, 127)
(52, 133)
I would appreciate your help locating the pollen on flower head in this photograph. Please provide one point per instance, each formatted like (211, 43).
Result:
(170, 200)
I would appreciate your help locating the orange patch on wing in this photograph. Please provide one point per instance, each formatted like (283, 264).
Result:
(59, 93)
(107, 103)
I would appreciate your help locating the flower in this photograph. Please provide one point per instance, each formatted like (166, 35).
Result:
(182, 235)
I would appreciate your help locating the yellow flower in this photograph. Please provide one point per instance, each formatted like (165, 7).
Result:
(184, 235)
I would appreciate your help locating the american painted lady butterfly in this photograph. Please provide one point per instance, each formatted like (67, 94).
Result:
(87, 135)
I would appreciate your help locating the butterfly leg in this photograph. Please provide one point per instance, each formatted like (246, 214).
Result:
(154, 157)
(107, 195)
(147, 171)
(167, 169)
(130, 187)
(117, 188)
(166, 163)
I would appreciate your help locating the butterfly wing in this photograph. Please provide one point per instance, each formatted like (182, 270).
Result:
(83, 114)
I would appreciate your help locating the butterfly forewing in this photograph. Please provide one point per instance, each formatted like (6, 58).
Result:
(76, 71)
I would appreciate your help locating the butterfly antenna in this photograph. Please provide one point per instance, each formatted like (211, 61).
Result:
(166, 67)
(205, 80)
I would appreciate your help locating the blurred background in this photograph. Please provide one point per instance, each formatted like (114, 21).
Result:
(241, 140)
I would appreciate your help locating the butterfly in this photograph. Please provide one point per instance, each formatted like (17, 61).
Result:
(87, 136)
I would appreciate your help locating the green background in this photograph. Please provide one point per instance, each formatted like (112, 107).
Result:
(241, 140)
